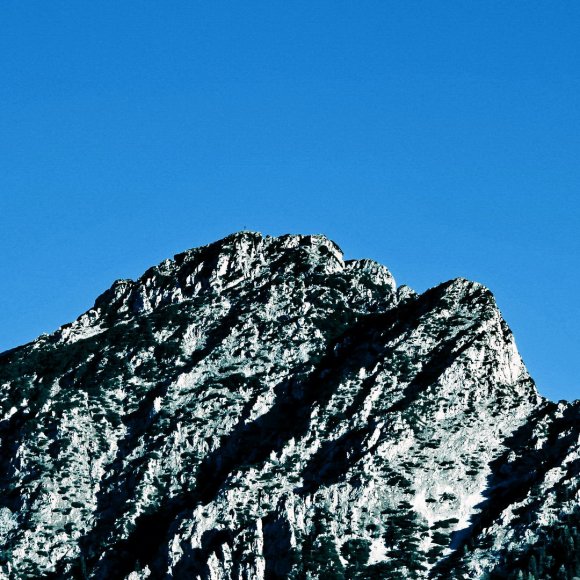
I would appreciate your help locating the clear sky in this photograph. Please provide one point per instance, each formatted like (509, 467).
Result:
(439, 138)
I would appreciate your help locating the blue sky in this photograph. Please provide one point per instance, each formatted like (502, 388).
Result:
(440, 138)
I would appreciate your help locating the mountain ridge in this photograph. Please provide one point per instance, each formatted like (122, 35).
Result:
(261, 408)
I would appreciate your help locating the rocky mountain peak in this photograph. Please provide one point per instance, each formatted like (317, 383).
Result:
(262, 408)
(241, 259)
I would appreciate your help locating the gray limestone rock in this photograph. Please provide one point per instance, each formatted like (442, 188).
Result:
(259, 408)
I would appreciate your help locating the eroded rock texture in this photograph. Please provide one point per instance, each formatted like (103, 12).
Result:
(260, 408)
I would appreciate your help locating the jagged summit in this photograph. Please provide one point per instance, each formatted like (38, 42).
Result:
(233, 262)
(261, 408)
(240, 256)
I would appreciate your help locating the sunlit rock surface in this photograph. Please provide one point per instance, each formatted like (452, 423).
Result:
(261, 408)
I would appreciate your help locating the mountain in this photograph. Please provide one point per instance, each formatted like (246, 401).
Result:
(261, 408)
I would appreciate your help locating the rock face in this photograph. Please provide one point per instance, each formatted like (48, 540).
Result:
(260, 408)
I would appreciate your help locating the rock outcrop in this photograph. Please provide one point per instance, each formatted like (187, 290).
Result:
(261, 408)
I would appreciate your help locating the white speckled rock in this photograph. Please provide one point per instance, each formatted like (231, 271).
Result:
(259, 408)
